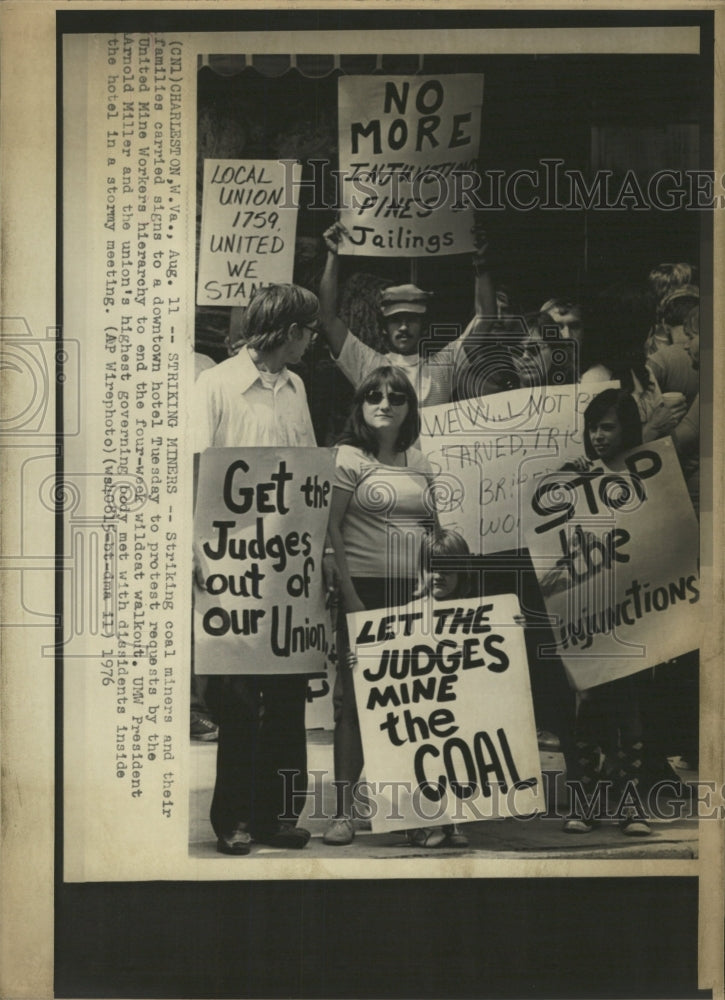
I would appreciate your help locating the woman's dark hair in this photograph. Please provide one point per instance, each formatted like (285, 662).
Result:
(357, 432)
(616, 325)
(627, 412)
(448, 552)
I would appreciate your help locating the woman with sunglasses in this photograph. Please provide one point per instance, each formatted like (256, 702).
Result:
(380, 510)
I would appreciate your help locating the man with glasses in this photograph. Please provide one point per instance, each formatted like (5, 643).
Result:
(253, 400)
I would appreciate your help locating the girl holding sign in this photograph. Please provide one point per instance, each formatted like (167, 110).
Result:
(609, 716)
(380, 510)
(442, 582)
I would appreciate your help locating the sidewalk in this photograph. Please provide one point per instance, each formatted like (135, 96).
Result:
(541, 837)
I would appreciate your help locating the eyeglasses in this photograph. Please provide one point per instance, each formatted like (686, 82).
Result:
(375, 396)
(313, 331)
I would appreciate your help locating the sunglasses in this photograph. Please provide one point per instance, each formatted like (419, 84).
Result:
(375, 396)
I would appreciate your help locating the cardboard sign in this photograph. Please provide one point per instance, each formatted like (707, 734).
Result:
(259, 530)
(408, 151)
(489, 454)
(447, 723)
(616, 555)
(319, 708)
(248, 225)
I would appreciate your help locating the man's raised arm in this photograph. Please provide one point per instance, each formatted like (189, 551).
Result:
(333, 328)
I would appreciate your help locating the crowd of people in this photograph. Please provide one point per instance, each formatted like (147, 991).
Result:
(644, 336)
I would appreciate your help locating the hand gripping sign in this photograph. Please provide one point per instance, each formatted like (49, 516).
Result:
(445, 712)
(259, 530)
(616, 556)
(408, 154)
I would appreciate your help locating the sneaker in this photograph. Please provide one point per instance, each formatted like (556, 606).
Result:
(575, 824)
(428, 837)
(237, 843)
(454, 837)
(202, 728)
(339, 832)
(283, 835)
(633, 825)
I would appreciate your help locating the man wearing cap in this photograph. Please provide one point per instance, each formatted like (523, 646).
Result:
(404, 309)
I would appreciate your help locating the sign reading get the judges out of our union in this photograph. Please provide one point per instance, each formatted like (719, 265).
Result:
(259, 531)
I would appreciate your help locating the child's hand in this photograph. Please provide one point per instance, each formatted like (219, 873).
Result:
(580, 464)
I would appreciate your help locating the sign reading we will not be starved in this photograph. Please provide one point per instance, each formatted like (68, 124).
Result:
(408, 155)
(491, 452)
(445, 710)
(259, 531)
(248, 226)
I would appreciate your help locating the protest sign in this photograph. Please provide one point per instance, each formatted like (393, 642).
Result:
(259, 529)
(446, 718)
(616, 555)
(489, 453)
(247, 229)
(319, 708)
(408, 152)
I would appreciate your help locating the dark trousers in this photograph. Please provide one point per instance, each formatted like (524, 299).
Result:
(261, 721)
(554, 701)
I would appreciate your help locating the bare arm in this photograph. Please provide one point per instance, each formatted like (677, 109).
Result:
(334, 329)
(686, 436)
(484, 298)
(338, 509)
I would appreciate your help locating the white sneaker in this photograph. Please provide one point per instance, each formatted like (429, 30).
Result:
(339, 832)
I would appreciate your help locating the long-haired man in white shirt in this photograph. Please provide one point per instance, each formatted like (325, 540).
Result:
(253, 400)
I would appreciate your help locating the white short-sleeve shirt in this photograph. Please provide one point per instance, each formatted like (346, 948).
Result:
(432, 377)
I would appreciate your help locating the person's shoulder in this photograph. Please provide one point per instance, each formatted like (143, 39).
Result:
(202, 363)
(218, 373)
(296, 381)
(351, 464)
(670, 356)
(353, 344)
(349, 455)
(597, 373)
(418, 461)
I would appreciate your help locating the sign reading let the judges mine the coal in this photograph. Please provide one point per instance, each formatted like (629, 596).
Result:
(445, 712)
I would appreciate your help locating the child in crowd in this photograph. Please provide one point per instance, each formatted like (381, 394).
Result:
(609, 718)
(444, 576)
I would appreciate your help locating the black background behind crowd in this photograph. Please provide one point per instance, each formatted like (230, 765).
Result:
(412, 938)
